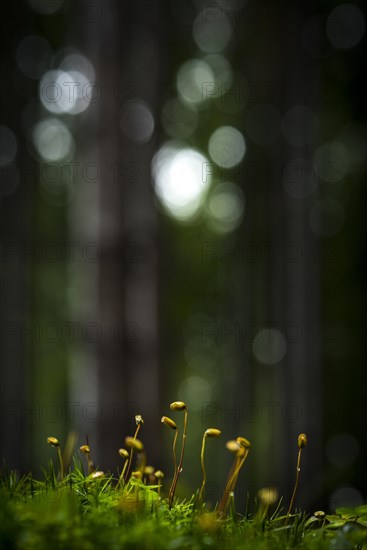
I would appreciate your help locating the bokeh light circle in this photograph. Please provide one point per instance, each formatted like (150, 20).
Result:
(195, 391)
(179, 119)
(212, 31)
(46, 7)
(53, 140)
(65, 92)
(180, 180)
(137, 122)
(345, 26)
(227, 146)
(331, 161)
(269, 346)
(192, 78)
(225, 207)
(345, 496)
(8, 145)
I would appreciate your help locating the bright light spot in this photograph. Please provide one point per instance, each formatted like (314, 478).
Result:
(195, 391)
(212, 31)
(263, 123)
(78, 62)
(225, 208)
(8, 145)
(327, 217)
(52, 140)
(46, 7)
(62, 92)
(179, 119)
(342, 450)
(227, 146)
(222, 72)
(331, 161)
(180, 180)
(300, 125)
(33, 56)
(300, 178)
(137, 122)
(345, 26)
(345, 496)
(192, 79)
(269, 346)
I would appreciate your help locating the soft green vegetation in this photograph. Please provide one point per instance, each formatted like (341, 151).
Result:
(79, 508)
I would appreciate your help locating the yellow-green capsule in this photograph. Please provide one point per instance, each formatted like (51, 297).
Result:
(268, 495)
(149, 470)
(135, 444)
(320, 514)
(139, 419)
(177, 406)
(159, 474)
(302, 441)
(243, 442)
(97, 475)
(53, 441)
(85, 449)
(123, 453)
(233, 446)
(169, 422)
(212, 432)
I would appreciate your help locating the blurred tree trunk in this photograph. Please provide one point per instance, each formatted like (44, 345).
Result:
(283, 292)
(120, 290)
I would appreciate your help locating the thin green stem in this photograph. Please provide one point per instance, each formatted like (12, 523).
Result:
(237, 470)
(131, 454)
(174, 451)
(179, 468)
(232, 479)
(298, 469)
(121, 478)
(61, 463)
(223, 503)
(203, 468)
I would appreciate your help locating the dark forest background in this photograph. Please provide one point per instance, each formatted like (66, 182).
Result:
(182, 217)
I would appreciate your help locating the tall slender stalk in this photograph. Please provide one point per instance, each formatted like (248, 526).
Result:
(139, 422)
(173, 426)
(302, 442)
(210, 432)
(55, 443)
(241, 449)
(124, 454)
(178, 406)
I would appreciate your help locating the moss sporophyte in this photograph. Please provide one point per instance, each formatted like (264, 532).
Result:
(97, 509)
(148, 476)
(302, 442)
